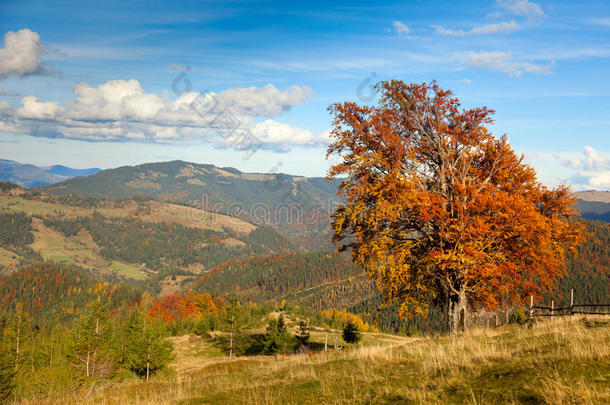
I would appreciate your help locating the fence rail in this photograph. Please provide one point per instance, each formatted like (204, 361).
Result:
(572, 309)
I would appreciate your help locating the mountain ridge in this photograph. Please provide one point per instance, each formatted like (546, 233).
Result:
(28, 175)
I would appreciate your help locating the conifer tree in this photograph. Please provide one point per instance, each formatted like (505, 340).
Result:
(7, 374)
(233, 321)
(147, 350)
(90, 341)
(277, 338)
(351, 333)
(18, 332)
(303, 333)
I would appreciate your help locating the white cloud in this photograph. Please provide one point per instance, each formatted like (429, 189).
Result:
(34, 109)
(591, 160)
(522, 8)
(121, 110)
(600, 181)
(21, 54)
(263, 101)
(593, 170)
(503, 27)
(272, 132)
(502, 62)
(402, 29)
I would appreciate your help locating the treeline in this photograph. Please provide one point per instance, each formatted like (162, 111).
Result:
(83, 201)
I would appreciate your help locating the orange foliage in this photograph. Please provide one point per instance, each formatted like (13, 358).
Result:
(435, 207)
(175, 307)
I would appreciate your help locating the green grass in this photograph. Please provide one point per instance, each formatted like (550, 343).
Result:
(128, 270)
(559, 362)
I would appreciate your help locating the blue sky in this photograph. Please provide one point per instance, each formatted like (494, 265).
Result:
(92, 86)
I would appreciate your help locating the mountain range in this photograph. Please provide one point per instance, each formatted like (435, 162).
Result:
(27, 175)
(297, 206)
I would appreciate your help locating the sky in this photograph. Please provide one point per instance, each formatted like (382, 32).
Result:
(248, 84)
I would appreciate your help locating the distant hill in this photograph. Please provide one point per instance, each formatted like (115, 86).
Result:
(298, 206)
(70, 172)
(594, 205)
(27, 175)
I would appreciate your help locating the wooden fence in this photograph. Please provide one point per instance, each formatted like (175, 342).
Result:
(572, 309)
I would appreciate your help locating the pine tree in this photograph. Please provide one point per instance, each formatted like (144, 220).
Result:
(147, 351)
(90, 341)
(19, 332)
(351, 333)
(233, 321)
(271, 342)
(277, 339)
(7, 374)
(303, 333)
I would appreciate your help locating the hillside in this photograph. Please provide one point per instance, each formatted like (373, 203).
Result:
(299, 206)
(594, 205)
(165, 248)
(146, 240)
(559, 362)
(27, 175)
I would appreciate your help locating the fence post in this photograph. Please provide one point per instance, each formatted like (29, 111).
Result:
(572, 301)
(326, 341)
(507, 316)
(531, 305)
(552, 308)
(496, 320)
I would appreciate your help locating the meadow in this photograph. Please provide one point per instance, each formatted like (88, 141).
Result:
(559, 361)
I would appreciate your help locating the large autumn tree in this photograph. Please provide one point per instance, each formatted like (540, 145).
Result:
(439, 210)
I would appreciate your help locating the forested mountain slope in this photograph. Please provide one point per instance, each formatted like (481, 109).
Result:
(299, 206)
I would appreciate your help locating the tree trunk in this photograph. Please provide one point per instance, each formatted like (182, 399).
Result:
(457, 311)
(88, 357)
(17, 347)
(149, 348)
(231, 346)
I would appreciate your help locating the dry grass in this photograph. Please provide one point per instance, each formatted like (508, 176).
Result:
(559, 362)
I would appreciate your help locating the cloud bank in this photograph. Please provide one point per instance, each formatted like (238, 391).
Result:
(121, 110)
(502, 62)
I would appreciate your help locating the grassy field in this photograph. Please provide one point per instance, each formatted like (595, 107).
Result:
(8, 258)
(555, 362)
